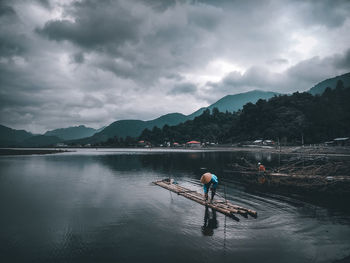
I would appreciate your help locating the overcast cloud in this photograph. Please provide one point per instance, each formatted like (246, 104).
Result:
(65, 63)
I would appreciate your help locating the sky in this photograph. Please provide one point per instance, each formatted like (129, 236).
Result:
(91, 62)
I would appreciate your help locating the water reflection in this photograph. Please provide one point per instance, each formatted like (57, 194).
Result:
(191, 163)
(210, 222)
(102, 208)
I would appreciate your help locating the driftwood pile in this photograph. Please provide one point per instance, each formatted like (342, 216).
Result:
(315, 166)
(300, 166)
(311, 175)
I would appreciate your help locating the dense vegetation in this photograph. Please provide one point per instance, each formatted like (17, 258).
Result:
(286, 117)
(118, 142)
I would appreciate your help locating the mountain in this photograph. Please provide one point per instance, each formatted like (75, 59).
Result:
(72, 133)
(332, 82)
(122, 128)
(134, 128)
(21, 138)
(100, 129)
(196, 113)
(291, 119)
(40, 141)
(236, 102)
(11, 137)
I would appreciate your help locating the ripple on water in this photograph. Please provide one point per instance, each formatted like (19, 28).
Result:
(105, 206)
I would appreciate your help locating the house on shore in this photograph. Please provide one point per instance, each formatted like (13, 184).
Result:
(193, 144)
(143, 144)
(342, 141)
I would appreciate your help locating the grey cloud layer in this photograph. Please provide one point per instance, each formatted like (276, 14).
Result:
(99, 61)
(96, 25)
(301, 76)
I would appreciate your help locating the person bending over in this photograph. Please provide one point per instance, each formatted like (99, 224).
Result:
(210, 181)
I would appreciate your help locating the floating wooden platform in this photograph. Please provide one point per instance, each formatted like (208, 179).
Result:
(221, 206)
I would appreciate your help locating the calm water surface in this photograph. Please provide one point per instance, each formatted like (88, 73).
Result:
(100, 206)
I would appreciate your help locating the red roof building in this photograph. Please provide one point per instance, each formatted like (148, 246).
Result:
(193, 144)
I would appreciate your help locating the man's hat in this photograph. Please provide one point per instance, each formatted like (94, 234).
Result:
(206, 178)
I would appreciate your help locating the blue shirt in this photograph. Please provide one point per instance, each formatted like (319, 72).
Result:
(214, 181)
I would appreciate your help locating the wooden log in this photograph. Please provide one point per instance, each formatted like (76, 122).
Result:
(221, 206)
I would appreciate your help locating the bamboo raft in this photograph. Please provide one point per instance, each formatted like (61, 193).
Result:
(221, 206)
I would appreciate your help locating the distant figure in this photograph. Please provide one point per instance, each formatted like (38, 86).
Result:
(210, 181)
(262, 173)
(261, 168)
(210, 222)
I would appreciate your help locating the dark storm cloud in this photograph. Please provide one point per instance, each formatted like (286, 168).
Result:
(315, 69)
(301, 76)
(134, 33)
(93, 62)
(119, 67)
(45, 3)
(278, 61)
(330, 13)
(174, 76)
(183, 88)
(78, 58)
(343, 62)
(128, 38)
(253, 78)
(6, 10)
(11, 43)
(152, 38)
(157, 5)
(97, 24)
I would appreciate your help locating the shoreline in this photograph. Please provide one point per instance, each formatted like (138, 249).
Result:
(27, 151)
(285, 150)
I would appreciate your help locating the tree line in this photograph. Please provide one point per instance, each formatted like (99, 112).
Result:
(294, 119)
(291, 118)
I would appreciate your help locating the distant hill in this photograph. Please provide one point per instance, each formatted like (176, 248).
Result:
(235, 102)
(11, 137)
(134, 128)
(332, 82)
(21, 138)
(72, 133)
(100, 129)
(40, 141)
(196, 113)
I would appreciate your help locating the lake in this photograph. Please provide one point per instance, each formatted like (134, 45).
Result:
(100, 206)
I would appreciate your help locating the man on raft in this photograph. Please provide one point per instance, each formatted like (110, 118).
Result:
(209, 180)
